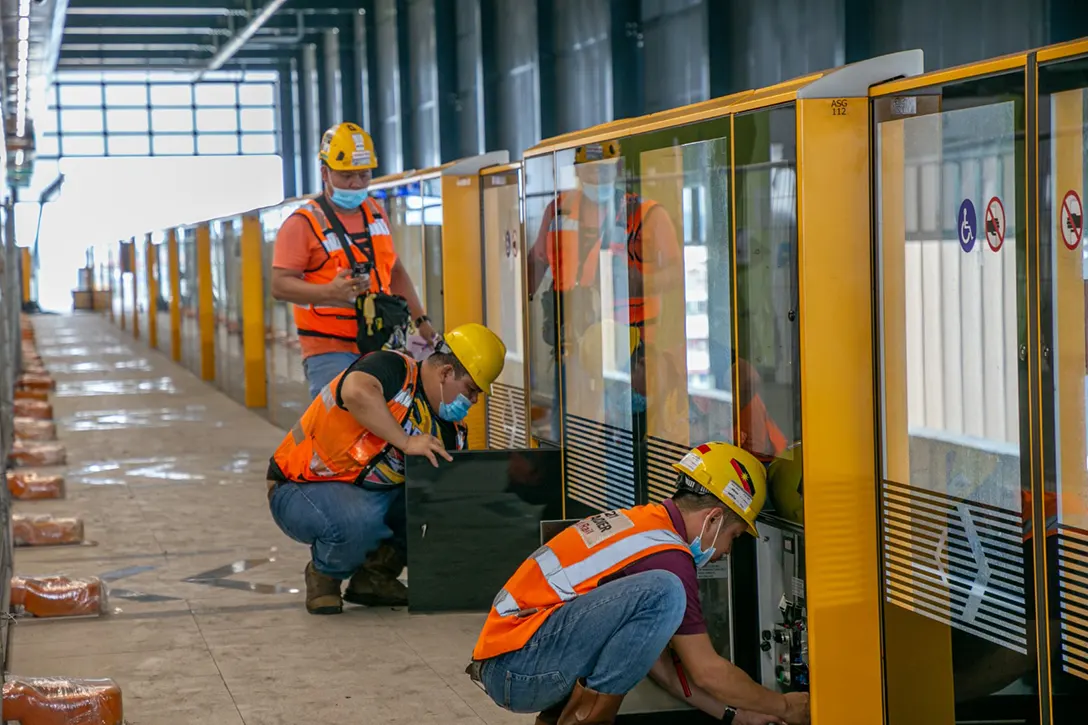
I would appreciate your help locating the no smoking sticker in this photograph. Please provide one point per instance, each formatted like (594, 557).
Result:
(995, 224)
(1072, 220)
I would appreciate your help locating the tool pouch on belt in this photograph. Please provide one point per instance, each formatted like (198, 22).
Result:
(383, 319)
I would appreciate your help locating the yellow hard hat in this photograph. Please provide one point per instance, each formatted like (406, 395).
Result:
(480, 350)
(785, 485)
(347, 147)
(732, 474)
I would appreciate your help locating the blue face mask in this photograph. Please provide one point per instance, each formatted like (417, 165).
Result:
(638, 402)
(456, 411)
(599, 193)
(701, 555)
(349, 198)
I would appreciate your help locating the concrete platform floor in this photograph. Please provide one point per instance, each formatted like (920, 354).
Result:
(206, 623)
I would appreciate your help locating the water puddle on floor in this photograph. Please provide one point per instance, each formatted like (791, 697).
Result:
(165, 469)
(88, 420)
(72, 389)
(55, 351)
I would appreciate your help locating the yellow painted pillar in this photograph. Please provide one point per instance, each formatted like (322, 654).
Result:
(135, 288)
(175, 294)
(28, 272)
(253, 343)
(841, 524)
(151, 263)
(205, 300)
(462, 278)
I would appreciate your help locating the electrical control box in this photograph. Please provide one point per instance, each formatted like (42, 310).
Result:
(783, 613)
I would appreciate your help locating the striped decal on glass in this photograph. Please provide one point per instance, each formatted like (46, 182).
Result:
(506, 416)
(1073, 599)
(661, 478)
(599, 464)
(955, 561)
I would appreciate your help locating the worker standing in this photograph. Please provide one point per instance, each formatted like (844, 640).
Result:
(311, 267)
(593, 611)
(336, 480)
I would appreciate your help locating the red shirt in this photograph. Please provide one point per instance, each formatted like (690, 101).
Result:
(679, 563)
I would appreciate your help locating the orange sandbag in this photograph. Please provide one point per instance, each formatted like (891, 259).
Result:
(44, 530)
(33, 453)
(41, 395)
(62, 701)
(34, 429)
(57, 596)
(40, 409)
(31, 486)
(30, 381)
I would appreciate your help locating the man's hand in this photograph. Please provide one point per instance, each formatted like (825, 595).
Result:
(345, 288)
(797, 708)
(747, 717)
(428, 445)
(426, 331)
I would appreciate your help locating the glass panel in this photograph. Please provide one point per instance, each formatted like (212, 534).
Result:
(174, 94)
(80, 95)
(118, 96)
(431, 215)
(80, 120)
(172, 120)
(957, 575)
(215, 94)
(1063, 181)
(407, 239)
(217, 144)
(216, 119)
(541, 336)
(258, 119)
(256, 94)
(84, 146)
(504, 307)
(129, 146)
(126, 121)
(258, 143)
(47, 146)
(172, 145)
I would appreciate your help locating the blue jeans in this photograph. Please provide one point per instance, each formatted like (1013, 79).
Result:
(611, 636)
(321, 369)
(341, 522)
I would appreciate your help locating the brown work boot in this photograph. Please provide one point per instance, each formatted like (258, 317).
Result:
(551, 715)
(375, 584)
(322, 592)
(589, 707)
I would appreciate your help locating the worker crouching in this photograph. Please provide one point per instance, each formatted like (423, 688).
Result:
(336, 480)
(611, 598)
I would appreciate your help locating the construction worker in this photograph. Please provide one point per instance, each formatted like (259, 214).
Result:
(311, 269)
(593, 611)
(336, 480)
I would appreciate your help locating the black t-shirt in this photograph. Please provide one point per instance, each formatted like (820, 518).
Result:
(390, 369)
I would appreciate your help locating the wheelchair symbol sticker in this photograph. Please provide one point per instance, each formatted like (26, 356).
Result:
(967, 223)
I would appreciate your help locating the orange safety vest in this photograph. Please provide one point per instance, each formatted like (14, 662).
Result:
(570, 270)
(1050, 514)
(328, 444)
(339, 322)
(570, 565)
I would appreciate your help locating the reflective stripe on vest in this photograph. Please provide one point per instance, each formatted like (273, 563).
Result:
(571, 270)
(571, 565)
(339, 322)
(328, 444)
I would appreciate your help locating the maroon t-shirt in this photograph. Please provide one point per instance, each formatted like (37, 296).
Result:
(679, 563)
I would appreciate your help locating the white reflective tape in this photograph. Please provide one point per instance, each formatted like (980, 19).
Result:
(594, 566)
(331, 243)
(328, 398)
(554, 573)
(380, 228)
(505, 604)
(403, 398)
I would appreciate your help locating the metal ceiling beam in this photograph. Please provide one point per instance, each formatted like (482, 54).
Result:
(73, 42)
(154, 53)
(285, 19)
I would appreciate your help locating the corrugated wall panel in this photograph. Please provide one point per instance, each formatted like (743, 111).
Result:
(388, 132)
(470, 78)
(675, 44)
(953, 33)
(423, 59)
(583, 56)
(518, 88)
(775, 40)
